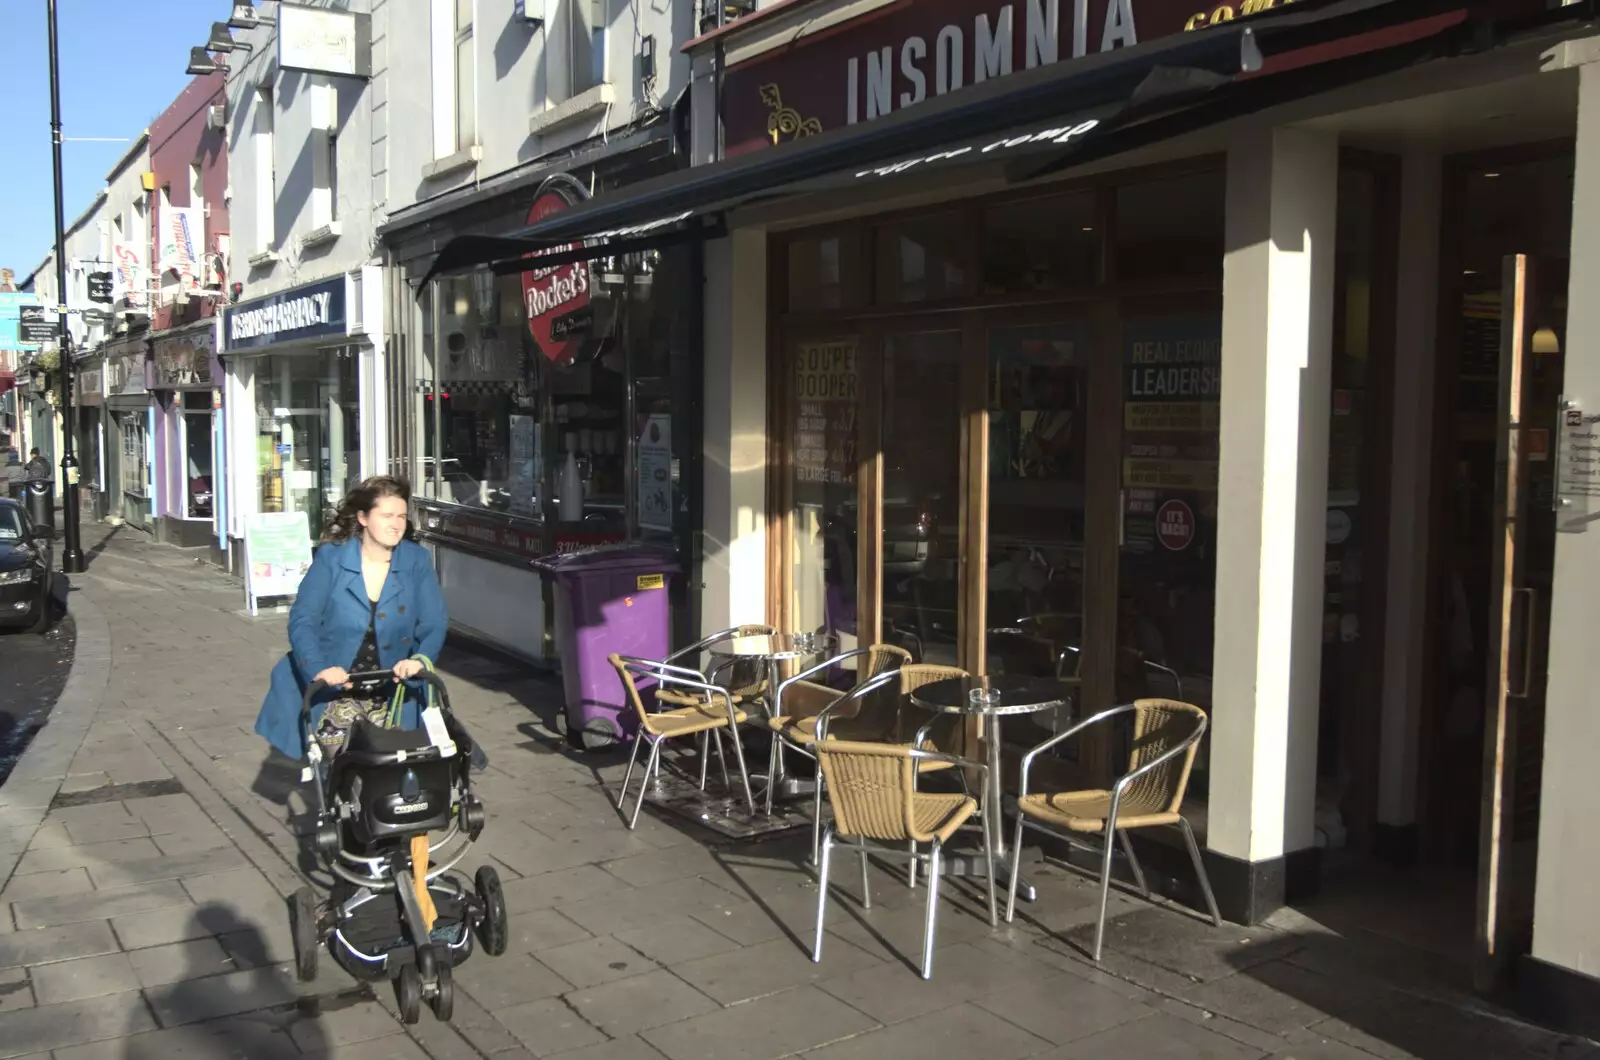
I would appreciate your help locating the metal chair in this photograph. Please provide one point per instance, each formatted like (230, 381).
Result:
(701, 716)
(741, 682)
(847, 714)
(1165, 736)
(873, 790)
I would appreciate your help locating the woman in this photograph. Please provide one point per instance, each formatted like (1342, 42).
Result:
(369, 602)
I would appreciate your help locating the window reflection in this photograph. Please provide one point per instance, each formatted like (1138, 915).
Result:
(923, 258)
(821, 425)
(921, 493)
(1040, 245)
(1170, 229)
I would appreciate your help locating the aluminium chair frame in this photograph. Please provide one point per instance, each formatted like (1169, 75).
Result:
(1110, 831)
(693, 651)
(865, 848)
(779, 740)
(682, 677)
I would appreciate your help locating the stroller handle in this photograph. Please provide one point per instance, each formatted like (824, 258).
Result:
(425, 675)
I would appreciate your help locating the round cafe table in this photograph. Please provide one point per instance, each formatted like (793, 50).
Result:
(774, 649)
(1018, 695)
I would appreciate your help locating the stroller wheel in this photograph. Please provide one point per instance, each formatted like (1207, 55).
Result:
(303, 925)
(408, 993)
(444, 996)
(492, 929)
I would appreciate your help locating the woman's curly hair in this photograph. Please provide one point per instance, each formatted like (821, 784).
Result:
(363, 497)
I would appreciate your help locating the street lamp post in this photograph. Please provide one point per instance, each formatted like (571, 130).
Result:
(71, 548)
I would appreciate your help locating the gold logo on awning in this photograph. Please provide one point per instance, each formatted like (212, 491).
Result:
(786, 122)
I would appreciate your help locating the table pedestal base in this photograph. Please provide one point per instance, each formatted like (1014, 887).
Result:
(972, 864)
(722, 812)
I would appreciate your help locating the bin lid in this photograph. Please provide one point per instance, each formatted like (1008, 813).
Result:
(611, 557)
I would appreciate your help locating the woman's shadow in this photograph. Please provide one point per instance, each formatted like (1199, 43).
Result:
(233, 1001)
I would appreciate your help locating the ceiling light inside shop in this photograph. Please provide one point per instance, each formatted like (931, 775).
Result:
(1492, 176)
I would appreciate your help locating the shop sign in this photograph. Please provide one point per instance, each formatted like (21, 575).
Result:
(557, 297)
(824, 426)
(182, 232)
(313, 311)
(906, 53)
(127, 260)
(183, 361)
(523, 542)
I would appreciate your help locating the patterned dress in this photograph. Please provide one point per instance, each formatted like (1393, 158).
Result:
(372, 704)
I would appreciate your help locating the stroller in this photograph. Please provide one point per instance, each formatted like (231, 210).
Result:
(377, 801)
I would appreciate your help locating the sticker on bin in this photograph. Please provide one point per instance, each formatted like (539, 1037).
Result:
(652, 581)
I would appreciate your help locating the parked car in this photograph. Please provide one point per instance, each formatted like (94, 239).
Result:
(25, 576)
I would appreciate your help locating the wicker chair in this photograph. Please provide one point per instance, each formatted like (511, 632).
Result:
(1166, 735)
(703, 716)
(745, 679)
(801, 704)
(872, 788)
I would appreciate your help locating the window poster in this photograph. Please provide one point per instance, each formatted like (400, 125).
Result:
(1172, 400)
(524, 471)
(653, 473)
(824, 410)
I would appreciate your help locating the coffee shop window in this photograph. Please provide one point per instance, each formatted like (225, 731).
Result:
(1040, 245)
(825, 272)
(923, 259)
(1170, 230)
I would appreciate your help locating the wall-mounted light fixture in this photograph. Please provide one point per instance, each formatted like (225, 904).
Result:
(222, 40)
(245, 17)
(201, 63)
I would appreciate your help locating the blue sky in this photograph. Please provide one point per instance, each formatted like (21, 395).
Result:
(122, 62)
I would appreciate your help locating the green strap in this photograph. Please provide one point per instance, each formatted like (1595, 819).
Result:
(398, 702)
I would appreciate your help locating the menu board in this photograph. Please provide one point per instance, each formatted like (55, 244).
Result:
(824, 412)
(1172, 393)
(277, 554)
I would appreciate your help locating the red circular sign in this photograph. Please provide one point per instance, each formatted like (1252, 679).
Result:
(557, 297)
(1175, 525)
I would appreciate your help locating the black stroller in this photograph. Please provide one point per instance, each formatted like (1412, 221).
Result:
(382, 790)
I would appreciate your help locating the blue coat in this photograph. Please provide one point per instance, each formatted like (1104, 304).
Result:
(329, 619)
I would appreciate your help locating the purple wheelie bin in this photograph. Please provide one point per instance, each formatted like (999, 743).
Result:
(612, 598)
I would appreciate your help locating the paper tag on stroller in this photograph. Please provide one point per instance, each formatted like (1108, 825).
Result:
(433, 721)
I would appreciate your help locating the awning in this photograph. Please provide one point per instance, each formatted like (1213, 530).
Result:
(1030, 120)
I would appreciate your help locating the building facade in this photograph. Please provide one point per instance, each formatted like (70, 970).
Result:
(182, 405)
(302, 337)
(502, 387)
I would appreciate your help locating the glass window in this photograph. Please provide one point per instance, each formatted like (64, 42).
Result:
(1038, 394)
(1172, 392)
(923, 258)
(825, 272)
(922, 493)
(1170, 229)
(11, 528)
(586, 43)
(823, 493)
(197, 455)
(1040, 245)
(135, 469)
(308, 433)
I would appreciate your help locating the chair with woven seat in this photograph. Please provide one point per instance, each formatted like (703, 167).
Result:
(745, 679)
(710, 710)
(1150, 794)
(802, 703)
(873, 791)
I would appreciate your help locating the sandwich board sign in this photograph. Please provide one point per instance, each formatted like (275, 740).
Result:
(277, 555)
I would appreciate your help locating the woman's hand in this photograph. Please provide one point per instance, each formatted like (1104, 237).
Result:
(407, 668)
(334, 677)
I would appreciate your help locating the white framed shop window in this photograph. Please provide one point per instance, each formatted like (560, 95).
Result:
(135, 470)
(196, 456)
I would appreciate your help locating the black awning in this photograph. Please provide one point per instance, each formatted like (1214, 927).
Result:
(1032, 116)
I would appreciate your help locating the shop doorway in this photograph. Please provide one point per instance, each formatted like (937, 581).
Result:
(1494, 524)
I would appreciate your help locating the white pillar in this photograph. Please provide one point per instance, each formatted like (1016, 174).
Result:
(1566, 931)
(1411, 466)
(1277, 336)
(735, 440)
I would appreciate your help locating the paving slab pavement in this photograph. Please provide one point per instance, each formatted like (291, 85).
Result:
(148, 840)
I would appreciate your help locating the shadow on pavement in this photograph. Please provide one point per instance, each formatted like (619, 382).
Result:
(230, 1002)
(92, 554)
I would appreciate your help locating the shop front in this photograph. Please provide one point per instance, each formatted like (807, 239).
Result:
(1241, 391)
(297, 367)
(88, 399)
(186, 462)
(128, 415)
(546, 411)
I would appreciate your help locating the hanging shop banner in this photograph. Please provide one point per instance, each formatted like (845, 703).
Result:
(183, 232)
(277, 554)
(128, 283)
(312, 311)
(183, 360)
(824, 403)
(653, 472)
(557, 297)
